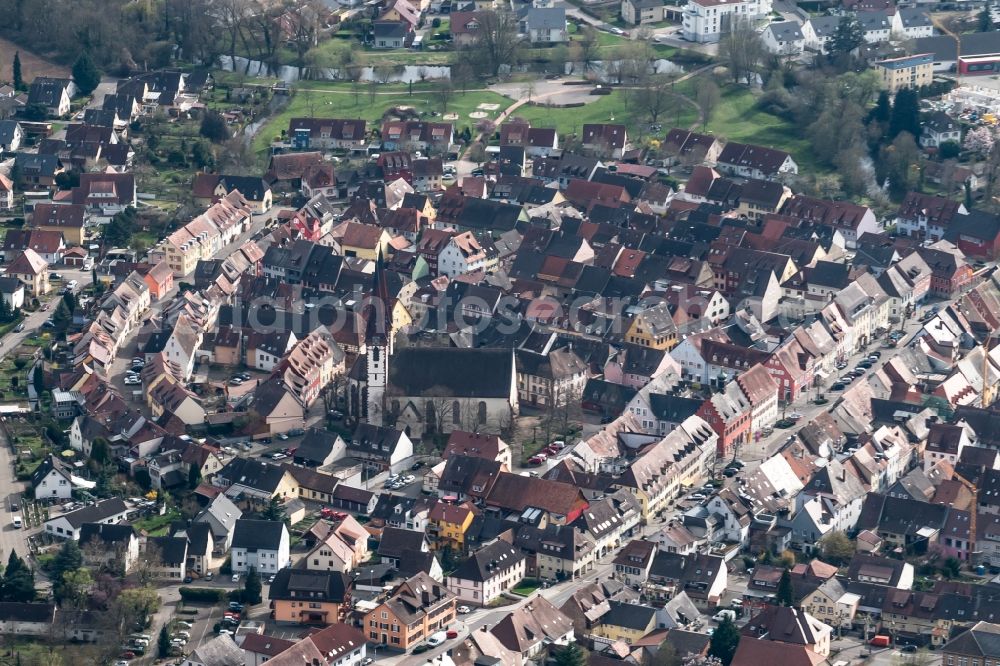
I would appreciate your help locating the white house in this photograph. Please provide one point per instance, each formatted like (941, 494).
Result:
(912, 24)
(708, 20)
(784, 38)
(463, 254)
(11, 136)
(818, 31)
(490, 572)
(52, 481)
(67, 525)
(876, 26)
(262, 544)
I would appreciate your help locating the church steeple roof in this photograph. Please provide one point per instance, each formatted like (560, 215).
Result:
(379, 310)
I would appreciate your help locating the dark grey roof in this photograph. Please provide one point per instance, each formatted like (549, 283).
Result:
(873, 21)
(488, 561)
(630, 616)
(544, 18)
(302, 584)
(258, 534)
(7, 129)
(252, 187)
(445, 372)
(673, 408)
(375, 440)
(396, 540)
(982, 640)
(107, 534)
(95, 513)
(46, 91)
(253, 473)
(824, 26)
(786, 31)
(390, 29)
(316, 445)
(914, 18)
(25, 612)
(171, 550)
(47, 466)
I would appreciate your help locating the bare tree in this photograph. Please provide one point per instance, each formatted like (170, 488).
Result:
(444, 93)
(656, 97)
(743, 49)
(589, 46)
(497, 40)
(708, 97)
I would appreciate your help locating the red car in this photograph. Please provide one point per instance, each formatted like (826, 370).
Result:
(452, 633)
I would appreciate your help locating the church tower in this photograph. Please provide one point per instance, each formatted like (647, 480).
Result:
(378, 339)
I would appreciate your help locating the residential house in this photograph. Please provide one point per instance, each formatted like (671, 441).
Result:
(489, 572)
(68, 525)
(784, 38)
(310, 597)
(641, 12)
(544, 25)
(111, 547)
(751, 161)
(52, 94)
(531, 628)
(32, 271)
(707, 20)
(915, 71)
(262, 544)
(327, 133)
(938, 128)
(604, 139)
(66, 219)
(414, 610)
(52, 481)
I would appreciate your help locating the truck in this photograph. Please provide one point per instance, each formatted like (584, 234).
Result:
(17, 521)
(880, 641)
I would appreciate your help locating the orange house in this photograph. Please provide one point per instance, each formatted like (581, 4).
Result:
(160, 280)
(417, 608)
(310, 597)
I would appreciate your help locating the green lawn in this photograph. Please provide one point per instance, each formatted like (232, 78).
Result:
(339, 101)
(157, 525)
(525, 587)
(606, 109)
(737, 119)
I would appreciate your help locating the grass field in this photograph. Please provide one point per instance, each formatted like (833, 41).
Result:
(339, 101)
(737, 119)
(609, 108)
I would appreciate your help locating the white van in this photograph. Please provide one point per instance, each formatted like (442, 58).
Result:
(17, 521)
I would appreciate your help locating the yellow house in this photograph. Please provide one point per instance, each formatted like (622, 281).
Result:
(626, 622)
(67, 219)
(653, 328)
(32, 271)
(907, 72)
(449, 523)
(831, 604)
(364, 241)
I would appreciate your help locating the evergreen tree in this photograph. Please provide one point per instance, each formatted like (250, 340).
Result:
(93, 276)
(848, 36)
(163, 643)
(571, 655)
(968, 196)
(5, 311)
(725, 639)
(883, 108)
(18, 79)
(194, 477)
(985, 20)
(274, 510)
(252, 587)
(85, 74)
(905, 115)
(786, 595)
(213, 127)
(67, 560)
(18, 581)
(69, 298)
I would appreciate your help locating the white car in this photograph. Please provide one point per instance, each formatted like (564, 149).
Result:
(236, 578)
(462, 610)
(132, 381)
(437, 638)
(722, 615)
(278, 456)
(409, 478)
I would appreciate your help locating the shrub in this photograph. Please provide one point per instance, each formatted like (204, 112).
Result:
(203, 594)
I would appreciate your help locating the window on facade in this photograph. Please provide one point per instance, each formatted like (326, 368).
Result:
(456, 412)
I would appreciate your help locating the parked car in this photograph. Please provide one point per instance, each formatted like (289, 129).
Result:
(538, 459)
(278, 456)
(839, 386)
(19, 328)
(417, 465)
(437, 638)
(236, 578)
(722, 615)
(462, 610)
